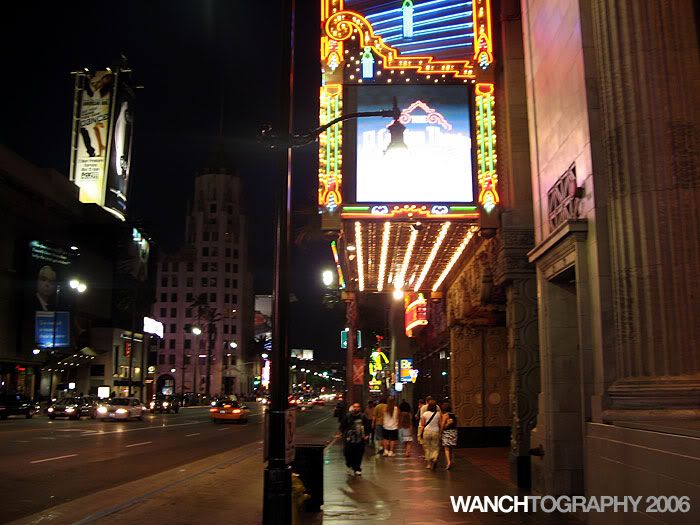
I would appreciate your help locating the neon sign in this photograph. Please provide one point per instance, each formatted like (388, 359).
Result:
(416, 313)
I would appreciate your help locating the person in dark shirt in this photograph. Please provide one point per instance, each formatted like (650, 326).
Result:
(353, 429)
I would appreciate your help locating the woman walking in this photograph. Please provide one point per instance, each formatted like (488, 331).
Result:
(405, 427)
(430, 433)
(391, 426)
(448, 425)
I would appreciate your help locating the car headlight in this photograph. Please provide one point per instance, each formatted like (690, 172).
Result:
(70, 409)
(122, 411)
(102, 410)
(50, 409)
(165, 403)
(213, 403)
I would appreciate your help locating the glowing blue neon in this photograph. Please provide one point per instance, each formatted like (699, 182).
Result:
(441, 39)
(431, 21)
(445, 29)
(407, 9)
(422, 5)
(436, 48)
(419, 13)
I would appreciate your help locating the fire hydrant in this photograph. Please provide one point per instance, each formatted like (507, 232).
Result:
(299, 496)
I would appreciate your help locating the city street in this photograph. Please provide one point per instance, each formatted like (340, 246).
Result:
(46, 463)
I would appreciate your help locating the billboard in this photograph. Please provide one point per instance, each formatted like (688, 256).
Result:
(102, 132)
(431, 162)
(93, 99)
(52, 329)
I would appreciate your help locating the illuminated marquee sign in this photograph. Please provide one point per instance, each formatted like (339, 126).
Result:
(439, 44)
(416, 313)
(266, 374)
(377, 363)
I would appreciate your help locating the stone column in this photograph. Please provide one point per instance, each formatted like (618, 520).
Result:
(524, 367)
(649, 73)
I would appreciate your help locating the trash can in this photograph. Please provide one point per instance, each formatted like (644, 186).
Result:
(308, 463)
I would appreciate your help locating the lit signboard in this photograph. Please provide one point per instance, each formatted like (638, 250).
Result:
(405, 369)
(432, 162)
(266, 374)
(305, 354)
(103, 392)
(151, 326)
(52, 329)
(416, 314)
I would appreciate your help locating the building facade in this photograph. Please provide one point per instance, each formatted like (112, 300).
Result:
(206, 287)
(613, 92)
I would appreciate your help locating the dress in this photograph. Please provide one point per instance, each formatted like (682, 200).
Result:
(391, 425)
(431, 435)
(449, 432)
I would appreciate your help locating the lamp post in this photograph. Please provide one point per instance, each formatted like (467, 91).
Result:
(196, 330)
(277, 485)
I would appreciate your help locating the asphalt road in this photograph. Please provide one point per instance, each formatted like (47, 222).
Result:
(44, 463)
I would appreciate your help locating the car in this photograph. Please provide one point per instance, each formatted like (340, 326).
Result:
(165, 404)
(121, 408)
(14, 404)
(73, 408)
(320, 402)
(229, 411)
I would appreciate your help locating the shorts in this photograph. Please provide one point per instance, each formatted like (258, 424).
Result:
(405, 435)
(391, 435)
(379, 432)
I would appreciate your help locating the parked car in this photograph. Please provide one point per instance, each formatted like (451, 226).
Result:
(13, 404)
(121, 408)
(73, 408)
(229, 411)
(165, 404)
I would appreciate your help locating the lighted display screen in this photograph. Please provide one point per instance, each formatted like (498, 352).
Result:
(433, 162)
(443, 29)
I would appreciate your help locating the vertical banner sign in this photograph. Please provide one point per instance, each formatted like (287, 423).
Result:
(120, 151)
(93, 99)
(358, 371)
(127, 348)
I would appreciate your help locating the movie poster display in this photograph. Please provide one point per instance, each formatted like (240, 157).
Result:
(431, 161)
(93, 98)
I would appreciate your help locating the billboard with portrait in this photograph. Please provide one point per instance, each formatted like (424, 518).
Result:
(431, 161)
(93, 100)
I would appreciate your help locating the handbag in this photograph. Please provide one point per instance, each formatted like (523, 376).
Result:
(422, 431)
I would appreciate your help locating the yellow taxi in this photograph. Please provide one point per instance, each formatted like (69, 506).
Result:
(229, 411)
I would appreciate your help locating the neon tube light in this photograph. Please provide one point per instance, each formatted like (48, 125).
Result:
(360, 259)
(454, 259)
(398, 284)
(382, 257)
(433, 254)
(341, 278)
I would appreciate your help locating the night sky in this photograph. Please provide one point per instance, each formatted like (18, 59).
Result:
(189, 55)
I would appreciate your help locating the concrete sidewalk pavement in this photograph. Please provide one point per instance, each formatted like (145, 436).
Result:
(403, 491)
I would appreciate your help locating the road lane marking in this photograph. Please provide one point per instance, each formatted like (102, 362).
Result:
(139, 444)
(219, 429)
(190, 435)
(53, 459)
(102, 433)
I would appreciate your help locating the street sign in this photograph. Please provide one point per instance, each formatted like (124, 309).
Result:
(344, 339)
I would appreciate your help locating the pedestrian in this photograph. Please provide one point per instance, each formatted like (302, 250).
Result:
(353, 428)
(390, 426)
(419, 413)
(448, 427)
(405, 427)
(430, 433)
(378, 424)
(369, 412)
(340, 410)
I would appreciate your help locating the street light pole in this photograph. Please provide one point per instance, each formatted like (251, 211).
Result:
(277, 486)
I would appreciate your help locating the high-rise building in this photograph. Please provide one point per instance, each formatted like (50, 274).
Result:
(204, 295)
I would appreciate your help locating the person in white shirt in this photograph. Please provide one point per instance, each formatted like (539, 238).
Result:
(430, 432)
(391, 426)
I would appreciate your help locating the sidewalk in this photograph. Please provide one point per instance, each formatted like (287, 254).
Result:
(403, 491)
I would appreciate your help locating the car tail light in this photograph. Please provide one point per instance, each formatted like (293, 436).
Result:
(236, 410)
(227, 406)
(212, 410)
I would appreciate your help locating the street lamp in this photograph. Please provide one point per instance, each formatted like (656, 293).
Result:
(196, 330)
(327, 277)
(277, 487)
